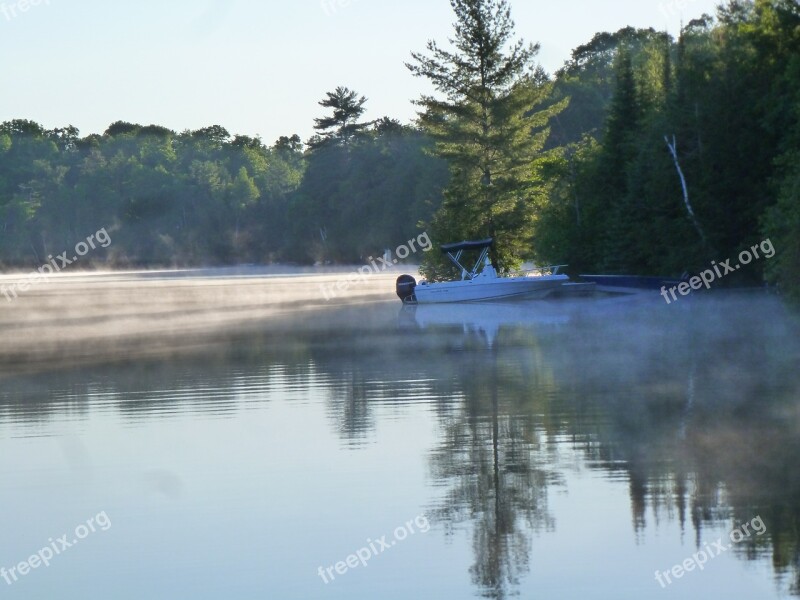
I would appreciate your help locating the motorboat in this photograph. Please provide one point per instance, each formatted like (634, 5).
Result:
(482, 282)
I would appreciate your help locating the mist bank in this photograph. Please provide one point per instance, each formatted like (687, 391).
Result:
(80, 319)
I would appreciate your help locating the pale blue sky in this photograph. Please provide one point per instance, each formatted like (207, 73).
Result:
(257, 68)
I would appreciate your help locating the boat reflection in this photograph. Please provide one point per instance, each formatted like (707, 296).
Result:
(484, 319)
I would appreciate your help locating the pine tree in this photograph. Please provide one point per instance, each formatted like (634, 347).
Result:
(343, 125)
(618, 154)
(488, 127)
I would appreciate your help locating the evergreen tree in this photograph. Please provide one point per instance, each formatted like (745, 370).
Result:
(343, 125)
(489, 125)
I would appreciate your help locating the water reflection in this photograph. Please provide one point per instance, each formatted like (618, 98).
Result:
(494, 478)
(693, 408)
(702, 419)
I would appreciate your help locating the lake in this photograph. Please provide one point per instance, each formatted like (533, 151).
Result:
(236, 435)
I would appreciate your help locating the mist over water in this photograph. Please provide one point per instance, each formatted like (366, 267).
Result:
(83, 318)
(240, 432)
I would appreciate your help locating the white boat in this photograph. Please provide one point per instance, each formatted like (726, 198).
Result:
(482, 283)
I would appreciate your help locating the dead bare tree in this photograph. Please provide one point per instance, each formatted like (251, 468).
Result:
(673, 149)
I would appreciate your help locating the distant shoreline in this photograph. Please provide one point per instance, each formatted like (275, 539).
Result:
(246, 270)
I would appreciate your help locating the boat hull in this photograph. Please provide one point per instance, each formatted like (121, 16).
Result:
(478, 290)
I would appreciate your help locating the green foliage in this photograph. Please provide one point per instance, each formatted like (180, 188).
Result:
(205, 197)
(728, 91)
(358, 199)
(589, 80)
(490, 126)
(342, 126)
(569, 169)
(782, 227)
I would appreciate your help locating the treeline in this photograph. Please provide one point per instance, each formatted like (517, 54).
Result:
(658, 155)
(206, 197)
(598, 185)
(727, 94)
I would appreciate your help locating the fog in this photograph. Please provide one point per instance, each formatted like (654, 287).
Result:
(96, 317)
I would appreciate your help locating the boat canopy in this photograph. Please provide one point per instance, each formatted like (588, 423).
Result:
(461, 246)
(454, 252)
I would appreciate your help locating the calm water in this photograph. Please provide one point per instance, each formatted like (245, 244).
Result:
(544, 450)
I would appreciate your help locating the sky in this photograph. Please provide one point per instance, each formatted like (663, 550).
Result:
(257, 67)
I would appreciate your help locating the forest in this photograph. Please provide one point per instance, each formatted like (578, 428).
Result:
(644, 154)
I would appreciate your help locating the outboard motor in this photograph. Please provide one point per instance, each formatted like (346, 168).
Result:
(405, 287)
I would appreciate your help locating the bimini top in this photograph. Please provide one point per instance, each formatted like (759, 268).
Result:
(476, 245)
